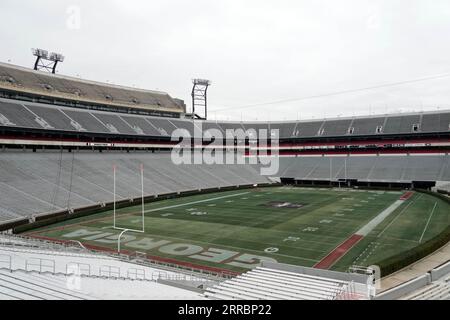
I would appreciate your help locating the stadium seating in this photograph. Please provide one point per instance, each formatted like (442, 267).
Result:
(31, 269)
(368, 168)
(20, 285)
(35, 182)
(270, 284)
(22, 79)
(435, 291)
(32, 183)
(38, 116)
(443, 187)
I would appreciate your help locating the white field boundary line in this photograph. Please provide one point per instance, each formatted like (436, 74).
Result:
(428, 222)
(196, 202)
(365, 230)
(395, 219)
(237, 238)
(228, 246)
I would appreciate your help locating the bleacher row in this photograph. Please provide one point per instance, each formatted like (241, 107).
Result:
(33, 270)
(270, 284)
(368, 168)
(32, 183)
(39, 116)
(435, 291)
(18, 78)
(443, 187)
(20, 285)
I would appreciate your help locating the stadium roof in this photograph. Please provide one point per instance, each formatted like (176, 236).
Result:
(25, 80)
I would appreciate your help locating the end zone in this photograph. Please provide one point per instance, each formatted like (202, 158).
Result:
(344, 247)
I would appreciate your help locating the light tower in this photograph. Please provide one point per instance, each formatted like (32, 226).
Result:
(46, 61)
(199, 98)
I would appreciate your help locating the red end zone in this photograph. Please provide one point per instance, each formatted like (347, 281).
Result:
(337, 253)
(407, 195)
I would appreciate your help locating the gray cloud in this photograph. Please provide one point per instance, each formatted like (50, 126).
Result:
(253, 51)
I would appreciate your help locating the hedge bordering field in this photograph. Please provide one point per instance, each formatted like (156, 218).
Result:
(53, 218)
(404, 259)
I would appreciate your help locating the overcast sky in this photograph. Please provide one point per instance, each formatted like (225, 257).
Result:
(254, 51)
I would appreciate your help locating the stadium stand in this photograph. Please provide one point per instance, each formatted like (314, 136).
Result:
(39, 84)
(21, 285)
(432, 285)
(442, 187)
(32, 183)
(374, 168)
(36, 270)
(30, 115)
(274, 282)
(436, 291)
(60, 138)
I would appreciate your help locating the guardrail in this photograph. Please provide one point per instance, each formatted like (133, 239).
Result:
(69, 248)
(48, 266)
(405, 288)
(5, 260)
(440, 271)
(109, 271)
(43, 265)
(78, 268)
(135, 273)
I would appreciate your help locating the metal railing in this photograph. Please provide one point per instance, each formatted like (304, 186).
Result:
(78, 269)
(347, 292)
(109, 272)
(5, 261)
(85, 270)
(43, 265)
(139, 258)
(136, 274)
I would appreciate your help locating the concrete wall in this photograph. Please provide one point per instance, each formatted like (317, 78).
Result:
(440, 272)
(405, 288)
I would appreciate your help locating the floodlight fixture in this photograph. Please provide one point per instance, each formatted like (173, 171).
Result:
(46, 61)
(202, 82)
(57, 57)
(41, 53)
(199, 97)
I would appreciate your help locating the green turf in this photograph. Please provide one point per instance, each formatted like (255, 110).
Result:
(242, 222)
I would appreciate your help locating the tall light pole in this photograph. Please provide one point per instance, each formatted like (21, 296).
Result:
(46, 61)
(199, 97)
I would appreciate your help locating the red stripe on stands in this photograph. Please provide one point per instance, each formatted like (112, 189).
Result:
(338, 253)
(407, 195)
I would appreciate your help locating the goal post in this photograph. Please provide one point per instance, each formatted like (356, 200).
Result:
(142, 230)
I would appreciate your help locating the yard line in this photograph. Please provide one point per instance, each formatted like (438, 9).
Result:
(334, 256)
(364, 231)
(196, 202)
(400, 239)
(428, 222)
(241, 249)
(401, 212)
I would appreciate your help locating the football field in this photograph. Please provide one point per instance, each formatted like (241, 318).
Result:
(235, 230)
